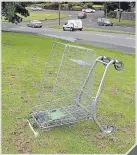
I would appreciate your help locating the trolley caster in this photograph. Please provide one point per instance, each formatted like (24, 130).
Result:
(118, 65)
(110, 129)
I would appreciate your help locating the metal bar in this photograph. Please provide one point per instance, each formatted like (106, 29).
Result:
(119, 11)
(90, 72)
(59, 70)
(59, 13)
(102, 80)
(102, 62)
(41, 83)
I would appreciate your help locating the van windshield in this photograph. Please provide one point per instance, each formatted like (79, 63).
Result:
(78, 22)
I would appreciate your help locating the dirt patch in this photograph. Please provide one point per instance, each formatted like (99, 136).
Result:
(12, 84)
(4, 106)
(35, 84)
(100, 135)
(62, 151)
(20, 138)
(7, 43)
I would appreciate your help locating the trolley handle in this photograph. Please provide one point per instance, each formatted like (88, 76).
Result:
(118, 65)
(105, 59)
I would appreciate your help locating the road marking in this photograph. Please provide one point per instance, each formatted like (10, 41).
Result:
(105, 35)
(130, 38)
(23, 27)
(128, 28)
(4, 25)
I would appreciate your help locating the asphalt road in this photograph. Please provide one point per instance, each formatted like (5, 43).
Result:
(91, 21)
(124, 42)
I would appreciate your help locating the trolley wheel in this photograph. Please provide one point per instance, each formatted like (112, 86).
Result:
(110, 129)
(118, 65)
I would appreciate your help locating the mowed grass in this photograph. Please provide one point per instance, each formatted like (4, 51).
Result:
(95, 29)
(23, 65)
(42, 15)
(122, 21)
(97, 6)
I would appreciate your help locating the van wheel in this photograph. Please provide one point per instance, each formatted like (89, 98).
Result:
(71, 29)
(64, 29)
(80, 29)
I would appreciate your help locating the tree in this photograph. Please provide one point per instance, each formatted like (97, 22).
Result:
(12, 10)
(89, 5)
(111, 6)
(70, 5)
(125, 5)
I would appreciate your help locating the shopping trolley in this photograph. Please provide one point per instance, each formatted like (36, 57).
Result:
(66, 90)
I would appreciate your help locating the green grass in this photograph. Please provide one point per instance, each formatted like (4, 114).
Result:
(23, 64)
(40, 15)
(122, 21)
(98, 6)
(95, 29)
(76, 7)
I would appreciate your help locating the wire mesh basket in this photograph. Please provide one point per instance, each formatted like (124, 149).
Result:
(66, 90)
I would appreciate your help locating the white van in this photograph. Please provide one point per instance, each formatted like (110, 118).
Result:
(73, 25)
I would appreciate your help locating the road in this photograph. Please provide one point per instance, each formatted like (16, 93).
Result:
(124, 42)
(91, 21)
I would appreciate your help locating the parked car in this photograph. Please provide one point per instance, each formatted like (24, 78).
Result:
(73, 25)
(104, 22)
(34, 23)
(82, 15)
(36, 8)
(88, 10)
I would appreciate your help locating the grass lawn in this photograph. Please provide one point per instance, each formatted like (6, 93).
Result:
(23, 65)
(98, 6)
(41, 15)
(95, 29)
(122, 21)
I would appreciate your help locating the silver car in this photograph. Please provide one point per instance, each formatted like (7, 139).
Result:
(34, 24)
(104, 22)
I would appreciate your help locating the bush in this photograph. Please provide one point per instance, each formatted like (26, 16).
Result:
(50, 5)
(77, 8)
(90, 5)
(77, 3)
(40, 5)
(70, 6)
(112, 14)
(64, 6)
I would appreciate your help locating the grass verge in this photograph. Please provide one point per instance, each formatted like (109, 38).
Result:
(95, 29)
(98, 6)
(41, 15)
(122, 21)
(23, 61)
